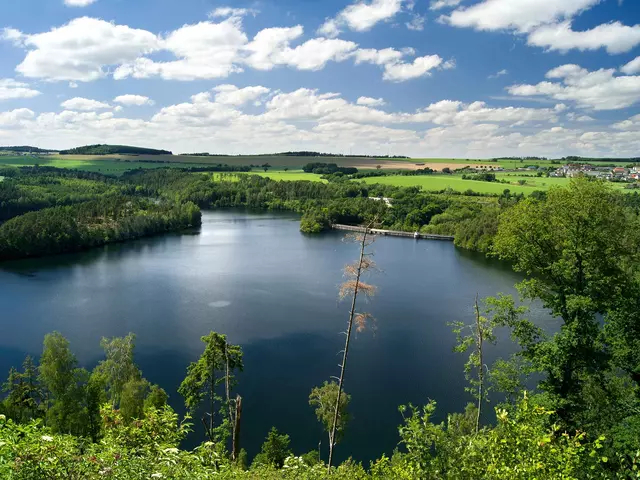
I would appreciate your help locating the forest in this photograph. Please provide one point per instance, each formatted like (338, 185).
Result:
(568, 403)
(113, 150)
(471, 218)
(25, 149)
(48, 211)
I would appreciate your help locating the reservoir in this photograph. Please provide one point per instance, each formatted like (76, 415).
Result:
(274, 291)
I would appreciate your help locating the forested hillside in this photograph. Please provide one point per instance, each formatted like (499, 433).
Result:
(25, 149)
(113, 150)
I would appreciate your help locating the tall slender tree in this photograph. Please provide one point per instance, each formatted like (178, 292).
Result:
(352, 288)
(498, 311)
(214, 368)
(481, 332)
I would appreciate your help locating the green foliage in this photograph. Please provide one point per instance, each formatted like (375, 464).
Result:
(24, 393)
(578, 248)
(274, 450)
(324, 399)
(157, 398)
(477, 232)
(311, 458)
(62, 379)
(118, 367)
(215, 367)
(524, 444)
(132, 399)
(314, 221)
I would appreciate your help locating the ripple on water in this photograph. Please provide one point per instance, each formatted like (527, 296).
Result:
(220, 304)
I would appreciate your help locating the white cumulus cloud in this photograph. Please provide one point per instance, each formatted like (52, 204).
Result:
(232, 95)
(614, 37)
(599, 90)
(15, 118)
(370, 102)
(133, 100)
(421, 66)
(79, 3)
(632, 67)
(81, 49)
(232, 12)
(521, 15)
(11, 90)
(84, 104)
(361, 16)
(440, 4)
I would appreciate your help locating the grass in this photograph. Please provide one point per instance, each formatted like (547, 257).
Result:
(441, 182)
(455, 182)
(290, 175)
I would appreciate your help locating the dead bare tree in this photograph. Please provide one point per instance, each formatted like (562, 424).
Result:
(235, 407)
(353, 287)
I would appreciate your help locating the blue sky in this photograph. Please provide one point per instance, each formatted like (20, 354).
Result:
(426, 78)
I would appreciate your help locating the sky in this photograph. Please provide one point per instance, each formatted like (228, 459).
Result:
(423, 78)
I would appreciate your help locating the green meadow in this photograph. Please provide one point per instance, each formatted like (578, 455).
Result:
(290, 175)
(455, 182)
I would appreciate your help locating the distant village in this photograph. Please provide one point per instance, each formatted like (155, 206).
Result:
(614, 174)
(610, 173)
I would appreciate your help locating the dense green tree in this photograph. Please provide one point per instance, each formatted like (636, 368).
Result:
(118, 368)
(275, 449)
(24, 395)
(578, 249)
(157, 398)
(63, 380)
(132, 399)
(95, 398)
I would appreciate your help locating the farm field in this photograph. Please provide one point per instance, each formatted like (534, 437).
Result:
(276, 161)
(105, 165)
(118, 164)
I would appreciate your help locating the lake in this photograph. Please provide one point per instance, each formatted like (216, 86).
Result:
(274, 291)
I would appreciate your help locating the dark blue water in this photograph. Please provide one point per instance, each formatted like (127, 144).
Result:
(274, 291)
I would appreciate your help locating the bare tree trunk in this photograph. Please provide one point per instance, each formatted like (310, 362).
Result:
(236, 428)
(212, 404)
(332, 434)
(227, 389)
(479, 341)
